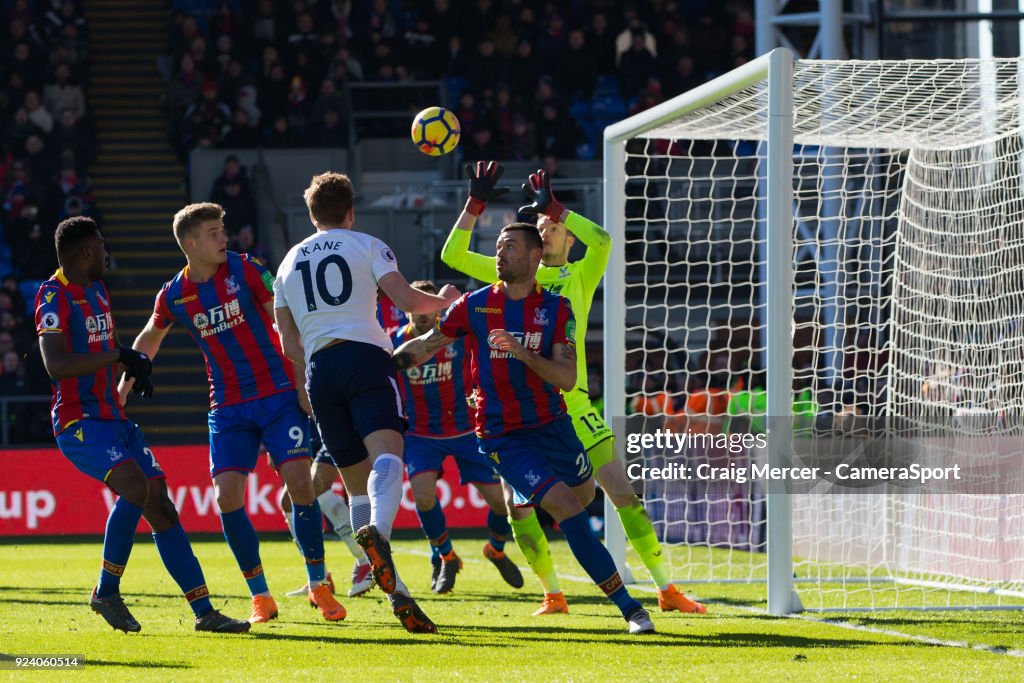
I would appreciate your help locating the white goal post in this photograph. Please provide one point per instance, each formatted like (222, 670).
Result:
(838, 240)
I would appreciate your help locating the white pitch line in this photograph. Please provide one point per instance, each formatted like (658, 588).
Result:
(921, 639)
(928, 640)
(853, 627)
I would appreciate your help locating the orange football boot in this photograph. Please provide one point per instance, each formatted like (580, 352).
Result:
(554, 603)
(378, 552)
(671, 599)
(304, 588)
(323, 599)
(263, 609)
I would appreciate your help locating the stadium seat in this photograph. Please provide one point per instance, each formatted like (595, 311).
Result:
(585, 150)
(199, 9)
(454, 86)
(607, 84)
(29, 289)
(6, 265)
(599, 124)
(592, 129)
(608, 107)
(579, 108)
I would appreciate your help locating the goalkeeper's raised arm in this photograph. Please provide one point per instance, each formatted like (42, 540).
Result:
(562, 225)
(483, 179)
(559, 229)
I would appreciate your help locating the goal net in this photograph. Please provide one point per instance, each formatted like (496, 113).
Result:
(904, 300)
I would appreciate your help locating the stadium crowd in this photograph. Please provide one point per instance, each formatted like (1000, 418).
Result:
(46, 147)
(231, 190)
(526, 78)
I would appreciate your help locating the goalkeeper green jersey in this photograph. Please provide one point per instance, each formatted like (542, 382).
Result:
(576, 281)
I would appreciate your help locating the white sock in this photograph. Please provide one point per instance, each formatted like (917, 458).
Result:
(385, 488)
(335, 509)
(359, 510)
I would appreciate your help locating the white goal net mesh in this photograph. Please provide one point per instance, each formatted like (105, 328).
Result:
(908, 302)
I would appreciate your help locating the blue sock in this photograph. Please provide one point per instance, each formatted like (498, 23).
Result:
(182, 565)
(596, 561)
(309, 532)
(117, 546)
(245, 544)
(500, 529)
(435, 528)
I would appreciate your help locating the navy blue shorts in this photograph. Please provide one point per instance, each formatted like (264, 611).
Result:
(236, 432)
(534, 460)
(353, 391)
(316, 445)
(426, 455)
(324, 456)
(96, 447)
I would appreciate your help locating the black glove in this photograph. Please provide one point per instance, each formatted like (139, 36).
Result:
(139, 367)
(482, 180)
(144, 389)
(539, 190)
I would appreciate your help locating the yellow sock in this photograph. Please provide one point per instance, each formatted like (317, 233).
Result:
(534, 545)
(641, 535)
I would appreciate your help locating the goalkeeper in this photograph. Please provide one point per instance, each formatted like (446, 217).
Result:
(577, 281)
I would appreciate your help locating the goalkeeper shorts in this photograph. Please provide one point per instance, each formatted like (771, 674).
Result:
(590, 427)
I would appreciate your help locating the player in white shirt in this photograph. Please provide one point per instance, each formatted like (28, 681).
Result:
(325, 304)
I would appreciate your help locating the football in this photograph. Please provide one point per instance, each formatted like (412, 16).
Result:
(435, 131)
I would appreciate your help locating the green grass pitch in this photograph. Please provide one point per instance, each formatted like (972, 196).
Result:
(487, 631)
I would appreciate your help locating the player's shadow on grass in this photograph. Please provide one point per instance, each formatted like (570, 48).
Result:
(137, 665)
(42, 601)
(89, 662)
(663, 637)
(467, 636)
(400, 638)
(731, 602)
(560, 632)
(84, 592)
(48, 589)
(531, 598)
(728, 639)
(887, 621)
(158, 600)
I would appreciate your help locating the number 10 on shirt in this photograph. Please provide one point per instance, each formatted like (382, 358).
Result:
(320, 279)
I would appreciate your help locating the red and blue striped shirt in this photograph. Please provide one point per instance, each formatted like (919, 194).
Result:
(388, 315)
(225, 315)
(434, 393)
(82, 315)
(510, 395)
